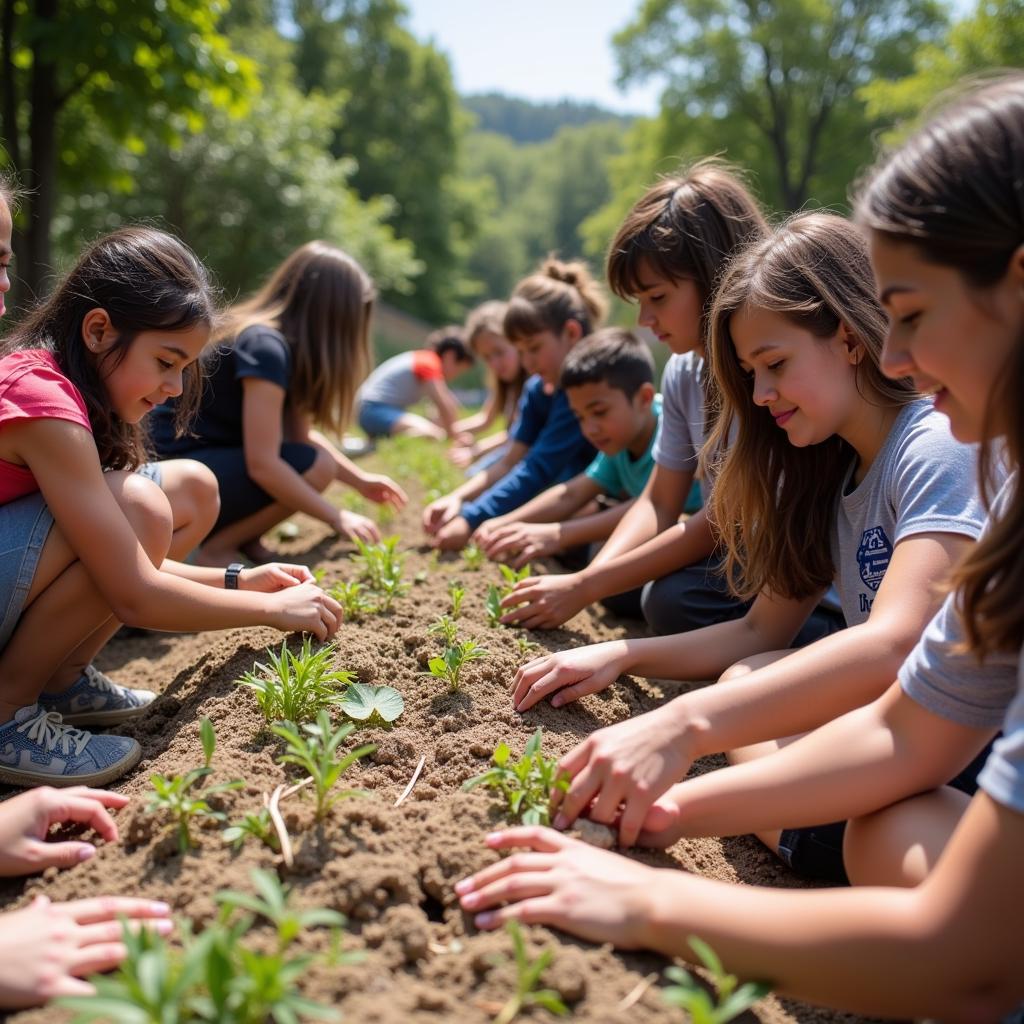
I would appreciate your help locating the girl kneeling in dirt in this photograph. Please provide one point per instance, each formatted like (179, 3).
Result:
(937, 931)
(287, 360)
(86, 539)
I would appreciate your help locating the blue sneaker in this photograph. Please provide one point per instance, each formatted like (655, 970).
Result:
(38, 749)
(93, 699)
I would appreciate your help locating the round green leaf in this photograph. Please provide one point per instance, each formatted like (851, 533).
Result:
(362, 701)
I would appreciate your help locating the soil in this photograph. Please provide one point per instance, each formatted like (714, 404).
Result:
(389, 870)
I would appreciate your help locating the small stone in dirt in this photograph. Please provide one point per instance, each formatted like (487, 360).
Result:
(594, 833)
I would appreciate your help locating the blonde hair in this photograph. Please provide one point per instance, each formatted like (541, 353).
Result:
(489, 318)
(321, 300)
(773, 504)
(552, 296)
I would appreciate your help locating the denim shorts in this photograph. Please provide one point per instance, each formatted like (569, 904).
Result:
(378, 418)
(24, 526)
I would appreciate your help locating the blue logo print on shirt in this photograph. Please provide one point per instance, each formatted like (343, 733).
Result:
(873, 556)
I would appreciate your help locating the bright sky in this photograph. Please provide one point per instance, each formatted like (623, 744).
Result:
(535, 49)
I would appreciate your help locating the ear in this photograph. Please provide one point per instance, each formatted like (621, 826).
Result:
(97, 331)
(572, 331)
(644, 396)
(854, 348)
(1016, 269)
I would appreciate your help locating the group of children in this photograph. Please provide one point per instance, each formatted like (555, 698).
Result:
(846, 393)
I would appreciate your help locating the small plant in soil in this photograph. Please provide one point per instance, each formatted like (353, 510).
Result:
(182, 798)
(378, 562)
(512, 577)
(473, 557)
(390, 588)
(526, 784)
(253, 826)
(705, 1007)
(316, 754)
(446, 628)
(354, 603)
(457, 593)
(319, 575)
(385, 515)
(296, 687)
(493, 606)
(456, 657)
(528, 974)
(525, 646)
(372, 705)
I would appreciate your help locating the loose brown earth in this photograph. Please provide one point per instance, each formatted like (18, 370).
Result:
(391, 871)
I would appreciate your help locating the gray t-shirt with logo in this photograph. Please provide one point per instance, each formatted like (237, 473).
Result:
(922, 481)
(681, 435)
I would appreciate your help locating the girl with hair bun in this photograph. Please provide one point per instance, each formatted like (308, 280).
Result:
(548, 313)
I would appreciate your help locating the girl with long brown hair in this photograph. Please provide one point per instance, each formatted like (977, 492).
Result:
(286, 362)
(935, 931)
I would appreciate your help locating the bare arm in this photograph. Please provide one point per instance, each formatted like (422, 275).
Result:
(447, 408)
(480, 420)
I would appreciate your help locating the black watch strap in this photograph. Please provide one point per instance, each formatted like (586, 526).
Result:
(231, 575)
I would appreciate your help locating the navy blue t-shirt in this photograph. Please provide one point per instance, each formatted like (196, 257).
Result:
(259, 352)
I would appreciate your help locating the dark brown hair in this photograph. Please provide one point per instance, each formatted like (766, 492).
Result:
(774, 504)
(145, 280)
(548, 299)
(955, 192)
(321, 300)
(687, 225)
(450, 339)
(614, 356)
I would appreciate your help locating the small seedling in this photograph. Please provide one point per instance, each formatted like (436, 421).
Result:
(295, 687)
(315, 755)
(385, 515)
(705, 1007)
(255, 826)
(208, 739)
(420, 577)
(446, 628)
(526, 784)
(319, 575)
(353, 603)
(449, 665)
(374, 705)
(493, 606)
(378, 562)
(474, 557)
(528, 973)
(512, 577)
(526, 647)
(391, 587)
(457, 592)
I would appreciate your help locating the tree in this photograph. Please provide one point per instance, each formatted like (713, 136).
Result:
(119, 63)
(774, 83)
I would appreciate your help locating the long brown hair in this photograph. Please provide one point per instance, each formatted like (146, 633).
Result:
(146, 280)
(489, 318)
(321, 300)
(773, 504)
(552, 296)
(955, 192)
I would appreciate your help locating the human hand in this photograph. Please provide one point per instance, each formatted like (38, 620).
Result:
(25, 822)
(440, 511)
(545, 602)
(519, 543)
(628, 765)
(305, 609)
(452, 536)
(382, 490)
(273, 576)
(597, 895)
(462, 455)
(47, 948)
(357, 527)
(577, 672)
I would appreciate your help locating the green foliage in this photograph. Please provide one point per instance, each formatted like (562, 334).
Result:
(456, 657)
(381, 566)
(493, 606)
(526, 784)
(528, 974)
(526, 121)
(256, 825)
(446, 628)
(296, 687)
(350, 596)
(704, 1007)
(512, 577)
(419, 458)
(457, 592)
(316, 754)
(473, 557)
(525, 646)
(375, 705)
(208, 739)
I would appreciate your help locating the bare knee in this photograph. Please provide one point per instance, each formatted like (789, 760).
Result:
(199, 494)
(147, 510)
(322, 472)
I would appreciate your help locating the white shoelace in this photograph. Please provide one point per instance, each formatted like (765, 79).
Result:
(99, 680)
(48, 730)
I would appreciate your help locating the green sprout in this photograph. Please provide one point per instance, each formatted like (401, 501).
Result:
(316, 756)
(296, 687)
(353, 603)
(374, 705)
(253, 826)
(318, 576)
(526, 784)
(446, 628)
(457, 592)
(385, 515)
(456, 657)
(474, 557)
(528, 973)
(512, 577)
(208, 739)
(493, 606)
(704, 1007)
(526, 646)
(391, 587)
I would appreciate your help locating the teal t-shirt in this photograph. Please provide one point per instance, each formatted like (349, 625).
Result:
(621, 475)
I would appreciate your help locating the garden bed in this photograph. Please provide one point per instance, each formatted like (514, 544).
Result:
(390, 870)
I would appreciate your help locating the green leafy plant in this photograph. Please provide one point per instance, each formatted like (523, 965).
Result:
(208, 739)
(391, 587)
(378, 562)
(525, 646)
(446, 628)
(316, 754)
(352, 600)
(512, 577)
(731, 1000)
(526, 784)
(319, 575)
(456, 657)
(253, 826)
(385, 515)
(473, 557)
(296, 687)
(528, 974)
(457, 593)
(493, 606)
(364, 702)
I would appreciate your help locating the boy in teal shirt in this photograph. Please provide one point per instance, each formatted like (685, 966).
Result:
(608, 379)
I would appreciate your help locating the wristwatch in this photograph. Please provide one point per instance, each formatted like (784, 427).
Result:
(231, 575)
